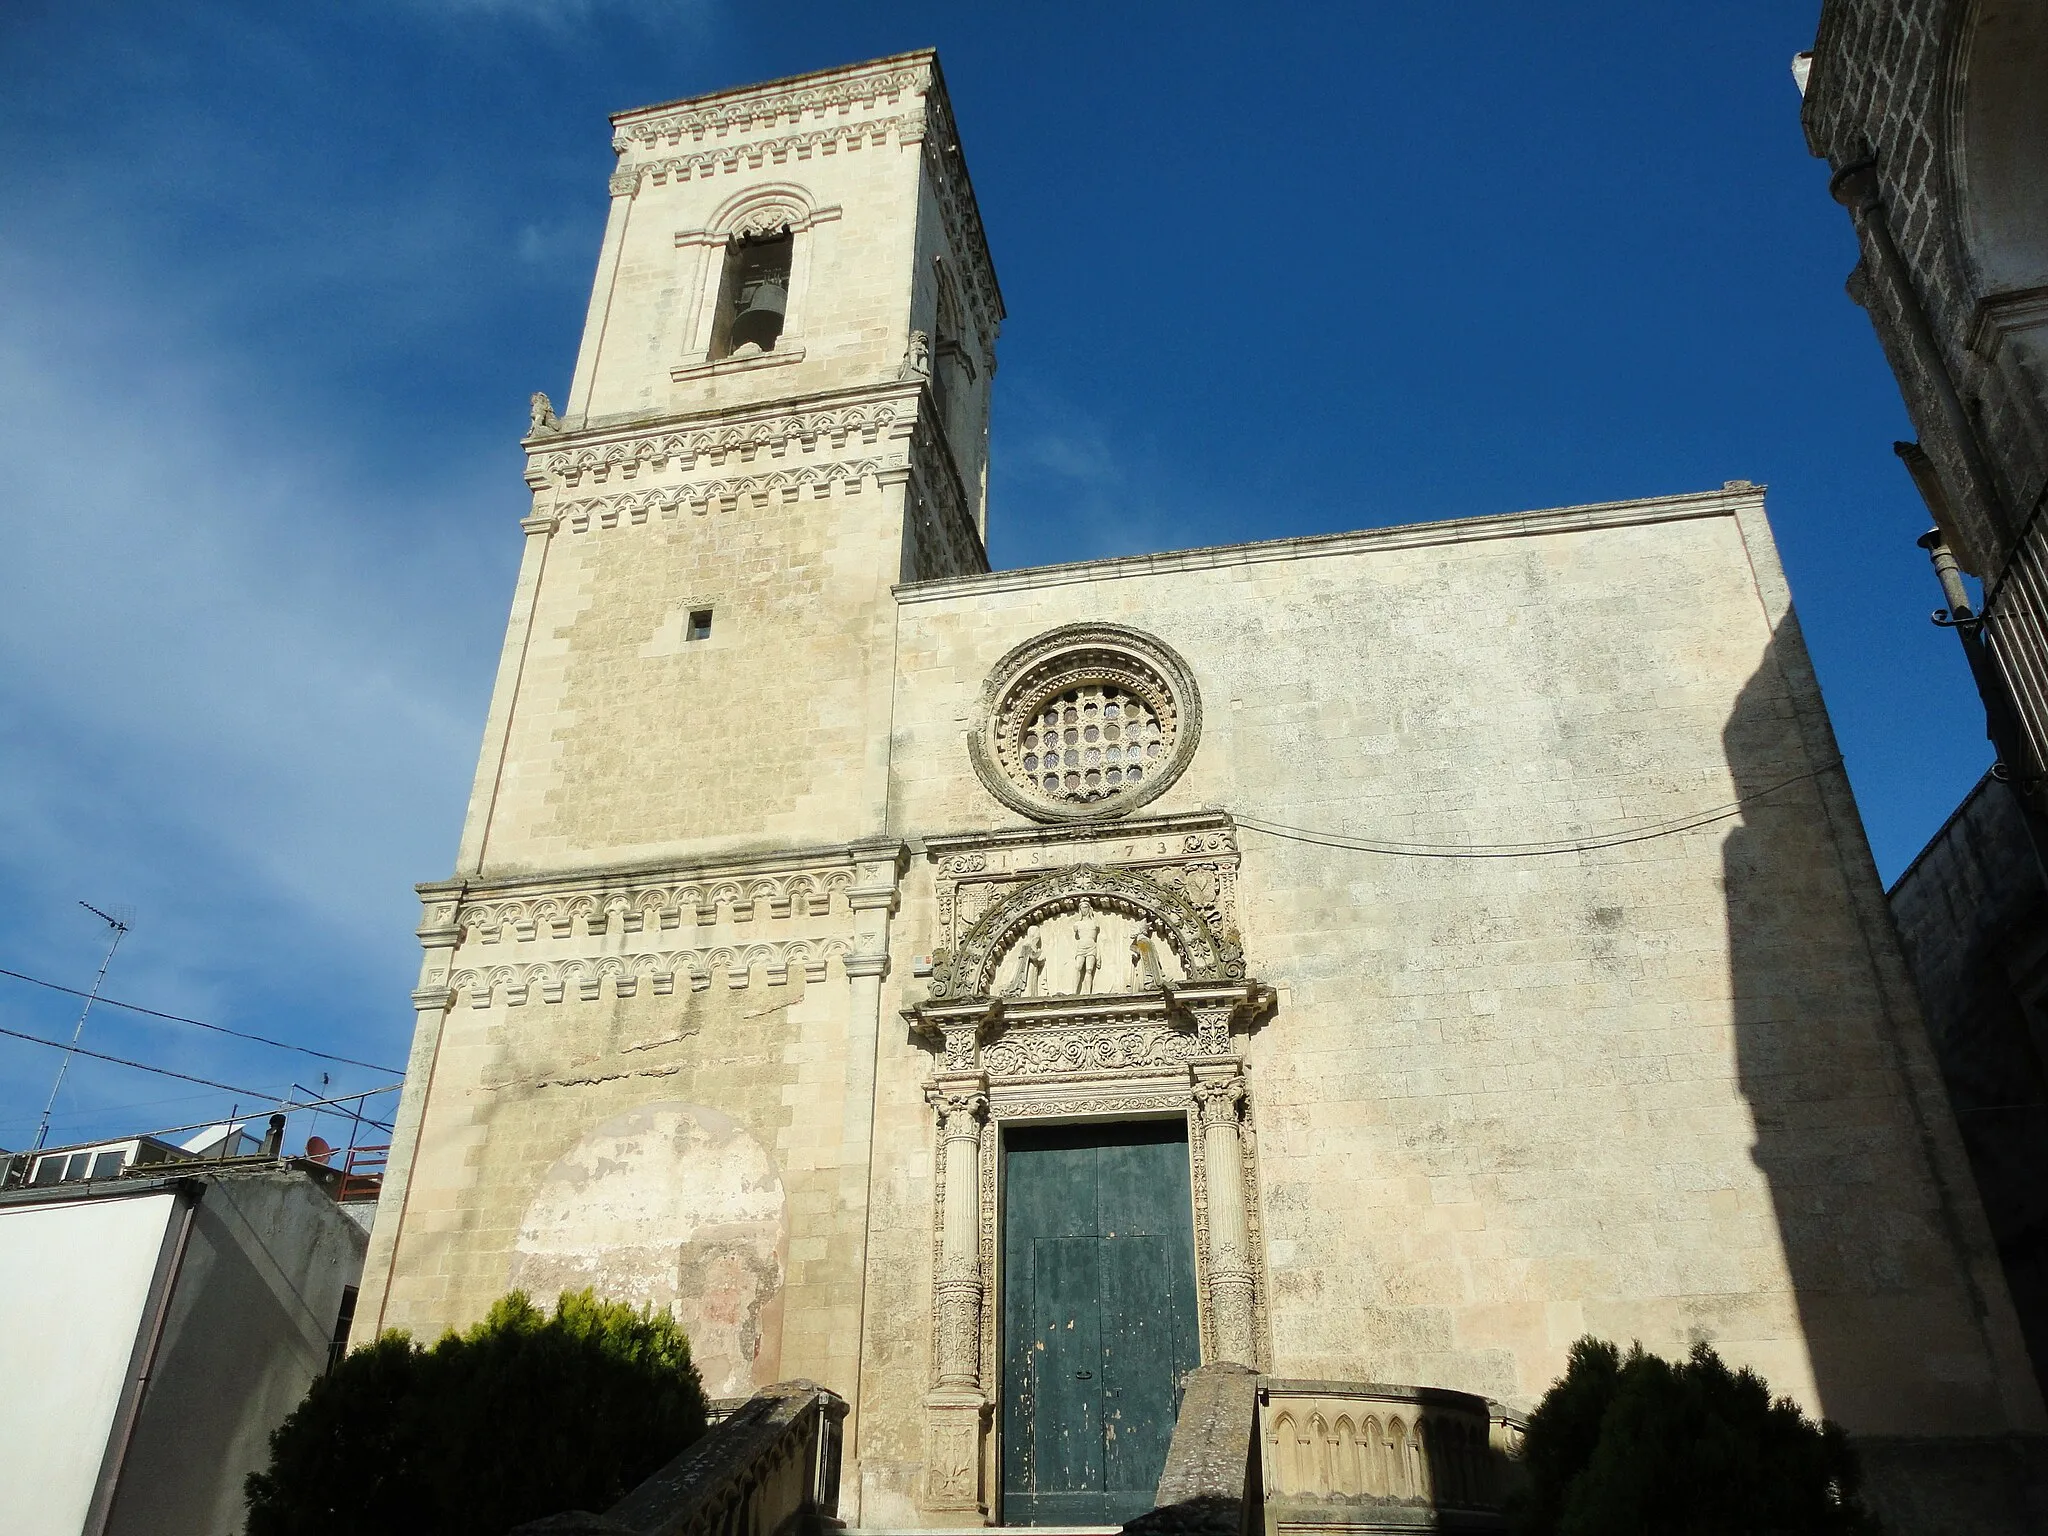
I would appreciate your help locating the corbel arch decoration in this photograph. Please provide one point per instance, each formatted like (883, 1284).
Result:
(762, 209)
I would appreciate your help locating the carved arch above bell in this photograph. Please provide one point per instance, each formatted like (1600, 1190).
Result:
(767, 207)
(972, 969)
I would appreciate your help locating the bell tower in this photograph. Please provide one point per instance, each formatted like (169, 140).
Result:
(779, 412)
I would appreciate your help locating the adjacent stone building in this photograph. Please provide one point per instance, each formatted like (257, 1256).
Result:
(1972, 911)
(1933, 117)
(1383, 957)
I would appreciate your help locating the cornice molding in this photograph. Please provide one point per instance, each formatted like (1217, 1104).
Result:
(867, 417)
(1730, 502)
(728, 159)
(773, 104)
(648, 872)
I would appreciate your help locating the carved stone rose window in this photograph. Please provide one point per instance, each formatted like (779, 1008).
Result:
(1086, 722)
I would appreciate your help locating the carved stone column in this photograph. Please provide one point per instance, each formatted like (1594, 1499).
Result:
(1219, 1091)
(960, 1108)
(958, 1409)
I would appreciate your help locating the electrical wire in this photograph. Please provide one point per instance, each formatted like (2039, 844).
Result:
(205, 1082)
(1645, 832)
(219, 1029)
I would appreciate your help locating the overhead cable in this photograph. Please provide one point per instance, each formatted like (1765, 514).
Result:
(142, 1066)
(219, 1029)
(1645, 832)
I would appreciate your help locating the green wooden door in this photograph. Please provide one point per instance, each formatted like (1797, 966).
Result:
(1098, 1317)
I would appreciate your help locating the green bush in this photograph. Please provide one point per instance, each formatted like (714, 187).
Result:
(1625, 1445)
(524, 1415)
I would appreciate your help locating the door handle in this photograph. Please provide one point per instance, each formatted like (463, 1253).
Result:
(1084, 1375)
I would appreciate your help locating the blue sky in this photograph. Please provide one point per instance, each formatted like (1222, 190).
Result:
(278, 279)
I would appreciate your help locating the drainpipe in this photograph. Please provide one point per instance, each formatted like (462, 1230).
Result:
(142, 1363)
(1855, 187)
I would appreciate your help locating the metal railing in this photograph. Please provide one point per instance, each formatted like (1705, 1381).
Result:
(362, 1175)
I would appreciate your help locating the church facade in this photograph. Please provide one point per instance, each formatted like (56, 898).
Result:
(1382, 957)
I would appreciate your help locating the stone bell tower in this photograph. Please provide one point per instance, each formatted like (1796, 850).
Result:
(780, 410)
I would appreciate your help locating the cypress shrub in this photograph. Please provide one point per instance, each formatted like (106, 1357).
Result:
(526, 1414)
(1621, 1445)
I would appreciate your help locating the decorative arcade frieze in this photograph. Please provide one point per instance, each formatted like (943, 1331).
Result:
(1074, 988)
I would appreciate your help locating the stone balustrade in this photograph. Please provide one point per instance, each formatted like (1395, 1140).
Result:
(1359, 1457)
(770, 1467)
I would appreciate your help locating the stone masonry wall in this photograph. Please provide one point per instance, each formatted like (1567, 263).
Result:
(1668, 1090)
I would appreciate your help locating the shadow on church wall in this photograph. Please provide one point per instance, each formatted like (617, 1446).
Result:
(1895, 1280)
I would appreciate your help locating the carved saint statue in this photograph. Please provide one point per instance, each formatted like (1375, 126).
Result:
(543, 418)
(1030, 954)
(917, 357)
(1146, 975)
(1087, 933)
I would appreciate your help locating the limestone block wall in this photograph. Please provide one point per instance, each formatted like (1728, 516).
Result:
(616, 738)
(1667, 1089)
(641, 1084)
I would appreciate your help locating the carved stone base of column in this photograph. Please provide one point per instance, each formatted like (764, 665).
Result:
(956, 1423)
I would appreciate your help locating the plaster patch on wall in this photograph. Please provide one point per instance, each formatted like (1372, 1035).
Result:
(677, 1206)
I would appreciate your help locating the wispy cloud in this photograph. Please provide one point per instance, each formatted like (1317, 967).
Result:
(243, 684)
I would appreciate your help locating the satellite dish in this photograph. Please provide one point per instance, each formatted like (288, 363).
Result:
(319, 1148)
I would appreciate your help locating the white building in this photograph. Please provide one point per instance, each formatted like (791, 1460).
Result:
(155, 1327)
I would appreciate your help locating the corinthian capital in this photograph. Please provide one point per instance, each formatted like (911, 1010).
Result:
(1219, 1100)
(959, 1112)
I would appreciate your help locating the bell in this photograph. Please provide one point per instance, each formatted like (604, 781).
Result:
(761, 321)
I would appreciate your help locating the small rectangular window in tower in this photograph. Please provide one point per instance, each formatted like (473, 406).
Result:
(755, 295)
(700, 625)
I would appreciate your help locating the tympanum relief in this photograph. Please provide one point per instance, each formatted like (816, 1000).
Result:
(1087, 952)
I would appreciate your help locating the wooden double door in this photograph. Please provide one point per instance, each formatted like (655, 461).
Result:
(1099, 1321)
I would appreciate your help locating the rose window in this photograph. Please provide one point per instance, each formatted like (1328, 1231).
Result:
(1090, 742)
(1085, 722)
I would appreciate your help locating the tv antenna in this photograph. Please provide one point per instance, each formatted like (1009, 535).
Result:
(119, 929)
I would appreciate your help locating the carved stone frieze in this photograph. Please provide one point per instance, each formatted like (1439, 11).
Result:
(764, 110)
(830, 139)
(840, 476)
(1087, 1048)
(1194, 856)
(656, 905)
(570, 938)
(565, 464)
(587, 979)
